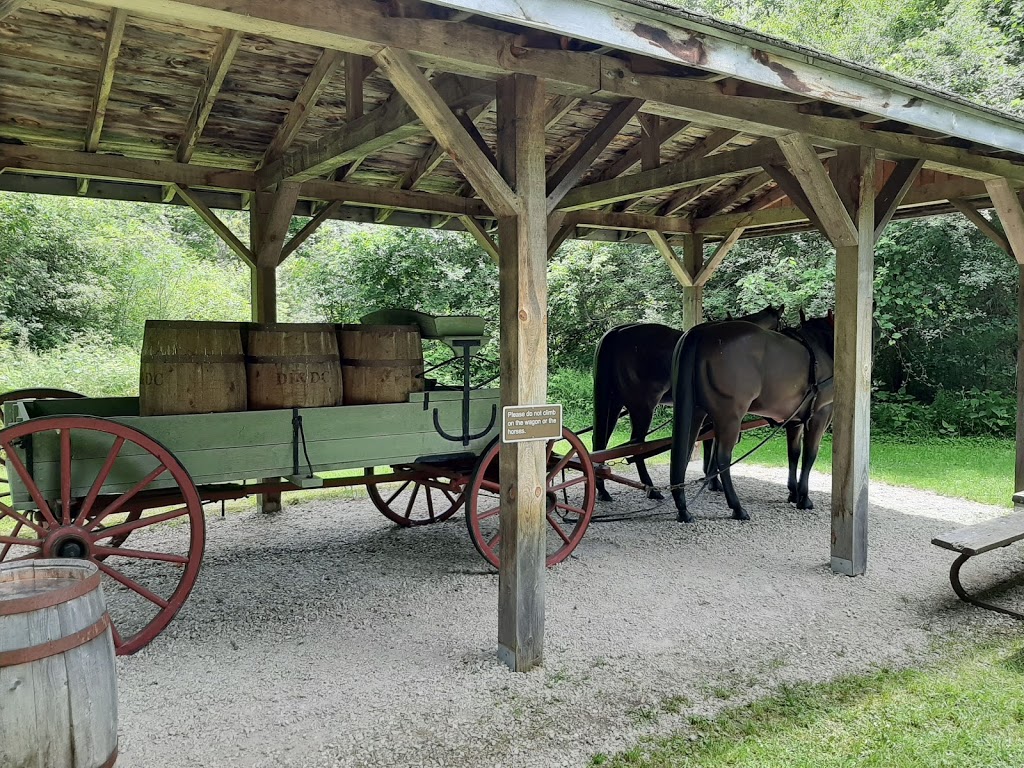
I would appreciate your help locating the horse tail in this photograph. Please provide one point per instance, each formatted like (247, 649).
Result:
(684, 378)
(607, 403)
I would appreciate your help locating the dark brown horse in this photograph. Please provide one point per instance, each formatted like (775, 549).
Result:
(633, 370)
(727, 370)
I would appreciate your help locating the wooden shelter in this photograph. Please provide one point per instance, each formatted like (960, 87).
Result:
(524, 123)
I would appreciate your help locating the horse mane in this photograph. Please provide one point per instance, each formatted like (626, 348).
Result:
(820, 332)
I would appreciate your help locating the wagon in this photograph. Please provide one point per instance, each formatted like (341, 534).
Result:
(90, 478)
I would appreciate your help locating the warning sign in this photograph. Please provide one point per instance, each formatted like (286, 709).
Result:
(530, 422)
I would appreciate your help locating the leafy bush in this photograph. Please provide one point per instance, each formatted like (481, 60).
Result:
(575, 391)
(90, 365)
(964, 413)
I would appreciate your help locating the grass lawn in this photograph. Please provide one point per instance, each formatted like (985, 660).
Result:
(965, 711)
(979, 470)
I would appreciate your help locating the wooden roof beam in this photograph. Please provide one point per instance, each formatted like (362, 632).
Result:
(633, 156)
(482, 237)
(893, 191)
(710, 143)
(390, 123)
(1011, 214)
(311, 226)
(672, 176)
(223, 55)
(362, 26)
(668, 253)
(986, 227)
(729, 196)
(565, 175)
(111, 48)
(312, 88)
(436, 114)
(218, 226)
(7, 7)
(806, 167)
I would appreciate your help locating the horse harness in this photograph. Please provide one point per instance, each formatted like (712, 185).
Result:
(813, 385)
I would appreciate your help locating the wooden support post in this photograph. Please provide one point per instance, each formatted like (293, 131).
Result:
(523, 239)
(693, 297)
(855, 184)
(1010, 209)
(269, 215)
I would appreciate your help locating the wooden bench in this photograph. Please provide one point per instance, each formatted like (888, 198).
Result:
(978, 539)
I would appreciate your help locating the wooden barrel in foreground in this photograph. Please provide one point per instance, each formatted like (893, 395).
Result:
(191, 367)
(293, 365)
(58, 685)
(380, 363)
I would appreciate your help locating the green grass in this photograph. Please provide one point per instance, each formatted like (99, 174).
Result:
(976, 469)
(962, 712)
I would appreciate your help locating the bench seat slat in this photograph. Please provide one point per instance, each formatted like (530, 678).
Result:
(975, 539)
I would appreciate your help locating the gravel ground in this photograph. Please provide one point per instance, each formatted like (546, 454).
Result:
(327, 637)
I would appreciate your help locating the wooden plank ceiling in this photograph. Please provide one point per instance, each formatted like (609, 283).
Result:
(106, 102)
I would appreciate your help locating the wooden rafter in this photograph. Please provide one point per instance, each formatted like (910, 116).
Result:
(790, 185)
(669, 255)
(215, 223)
(564, 177)
(482, 237)
(984, 225)
(356, 70)
(223, 55)
(362, 26)
(633, 156)
(7, 7)
(390, 123)
(727, 197)
(311, 226)
(111, 48)
(446, 128)
(712, 264)
(673, 176)
(893, 191)
(806, 167)
(706, 146)
(1011, 214)
(316, 81)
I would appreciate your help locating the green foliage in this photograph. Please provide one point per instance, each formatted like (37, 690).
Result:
(86, 364)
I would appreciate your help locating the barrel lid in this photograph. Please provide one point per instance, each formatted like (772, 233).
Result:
(284, 327)
(33, 584)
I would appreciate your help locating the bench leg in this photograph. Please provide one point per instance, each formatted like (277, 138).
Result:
(954, 580)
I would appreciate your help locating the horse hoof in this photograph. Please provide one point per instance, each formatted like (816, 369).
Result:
(684, 517)
(805, 503)
(604, 496)
(793, 498)
(655, 494)
(715, 486)
(740, 514)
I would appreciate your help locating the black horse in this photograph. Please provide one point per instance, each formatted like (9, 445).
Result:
(633, 370)
(726, 370)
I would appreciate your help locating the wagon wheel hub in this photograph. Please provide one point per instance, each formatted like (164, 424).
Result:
(67, 542)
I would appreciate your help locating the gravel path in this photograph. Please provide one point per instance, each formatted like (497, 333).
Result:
(327, 637)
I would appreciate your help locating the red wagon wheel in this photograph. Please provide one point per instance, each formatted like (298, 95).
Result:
(25, 394)
(412, 502)
(63, 462)
(571, 492)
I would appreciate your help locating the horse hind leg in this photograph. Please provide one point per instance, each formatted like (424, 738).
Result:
(726, 438)
(794, 434)
(604, 426)
(812, 443)
(641, 424)
(710, 463)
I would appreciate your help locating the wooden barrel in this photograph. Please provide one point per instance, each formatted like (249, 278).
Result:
(293, 365)
(380, 363)
(58, 684)
(191, 367)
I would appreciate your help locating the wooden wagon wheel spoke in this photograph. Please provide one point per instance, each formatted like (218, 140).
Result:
(558, 529)
(28, 482)
(101, 478)
(128, 496)
(483, 510)
(147, 584)
(121, 529)
(562, 463)
(568, 483)
(416, 502)
(133, 585)
(166, 557)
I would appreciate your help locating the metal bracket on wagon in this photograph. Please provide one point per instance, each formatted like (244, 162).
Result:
(468, 346)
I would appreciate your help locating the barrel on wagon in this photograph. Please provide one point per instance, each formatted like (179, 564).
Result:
(380, 363)
(58, 688)
(293, 365)
(192, 367)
